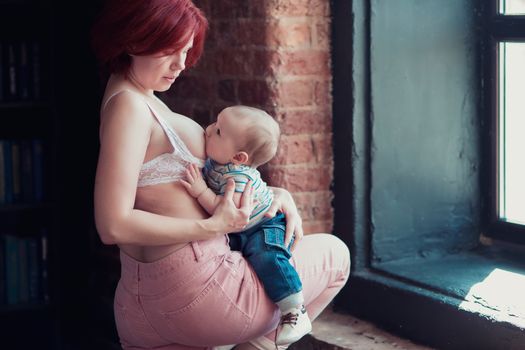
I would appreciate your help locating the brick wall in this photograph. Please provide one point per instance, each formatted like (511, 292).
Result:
(272, 54)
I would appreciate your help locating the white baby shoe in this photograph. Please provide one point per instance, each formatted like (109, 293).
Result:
(295, 323)
(224, 347)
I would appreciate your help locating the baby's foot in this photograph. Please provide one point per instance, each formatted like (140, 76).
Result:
(295, 323)
(224, 347)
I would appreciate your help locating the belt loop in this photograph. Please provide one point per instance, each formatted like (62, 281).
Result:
(196, 250)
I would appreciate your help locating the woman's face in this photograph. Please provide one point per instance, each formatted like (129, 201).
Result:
(158, 71)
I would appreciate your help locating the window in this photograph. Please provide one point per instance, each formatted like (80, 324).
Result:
(506, 84)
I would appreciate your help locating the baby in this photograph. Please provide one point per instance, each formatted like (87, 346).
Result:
(242, 139)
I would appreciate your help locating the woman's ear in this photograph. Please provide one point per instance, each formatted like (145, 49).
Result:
(240, 158)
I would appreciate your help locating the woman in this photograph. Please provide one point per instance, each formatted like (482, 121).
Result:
(181, 286)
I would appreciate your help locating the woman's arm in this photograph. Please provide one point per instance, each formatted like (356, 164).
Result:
(124, 137)
(283, 202)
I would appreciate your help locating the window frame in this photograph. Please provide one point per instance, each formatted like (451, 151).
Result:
(499, 28)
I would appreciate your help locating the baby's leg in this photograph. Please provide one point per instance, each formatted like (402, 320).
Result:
(323, 264)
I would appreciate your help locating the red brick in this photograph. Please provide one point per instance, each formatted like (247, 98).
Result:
(230, 9)
(295, 149)
(322, 38)
(300, 149)
(306, 62)
(322, 148)
(284, 33)
(301, 178)
(252, 32)
(227, 90)
(201, 115)
(259, 9)
(254, 92)
(325, 226)
(323, 93)
(305, 121)
(204, 5)
(265, 63)
(298, 8)
(181, 106)
(242, 32)
(319, 8)
(193, 87)
(233, 62)
(295, 93)
(314, 205)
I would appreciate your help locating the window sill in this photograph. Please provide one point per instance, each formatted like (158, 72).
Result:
(469, 300)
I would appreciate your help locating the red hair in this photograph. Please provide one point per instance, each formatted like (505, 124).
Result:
(145, 27)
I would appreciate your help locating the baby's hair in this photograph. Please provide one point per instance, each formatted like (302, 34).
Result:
(261, 136)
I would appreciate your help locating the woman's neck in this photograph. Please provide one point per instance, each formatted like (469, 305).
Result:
(134, 82)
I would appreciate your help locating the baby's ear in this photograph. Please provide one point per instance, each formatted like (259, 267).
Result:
(240, 158)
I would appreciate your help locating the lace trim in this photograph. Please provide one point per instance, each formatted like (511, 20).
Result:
(167, 167)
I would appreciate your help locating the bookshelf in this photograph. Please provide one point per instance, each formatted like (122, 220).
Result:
(29, 209)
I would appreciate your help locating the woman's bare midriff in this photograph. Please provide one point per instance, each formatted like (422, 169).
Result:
(169, 199)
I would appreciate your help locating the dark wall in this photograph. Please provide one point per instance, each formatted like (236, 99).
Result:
(425, 115)
(77, 100)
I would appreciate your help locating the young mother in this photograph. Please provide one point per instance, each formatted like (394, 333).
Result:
(181, 286)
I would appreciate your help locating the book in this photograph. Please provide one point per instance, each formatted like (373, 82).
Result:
(44, 272)
(2, 75)
(12, 90)
(8, 171)
(11, 269)
(23, 82)
(15, 168)
(33, 270)
(38, 170)
(3, 276)
(23, 272)
(26, 170)
(2, 174)
(35, 70)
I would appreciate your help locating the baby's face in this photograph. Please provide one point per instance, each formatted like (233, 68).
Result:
(222, 137)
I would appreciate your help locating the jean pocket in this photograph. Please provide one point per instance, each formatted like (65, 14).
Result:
(132, 327)
(274, 239)
(211, 318)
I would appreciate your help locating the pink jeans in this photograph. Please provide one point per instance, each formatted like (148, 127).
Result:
(205, 294)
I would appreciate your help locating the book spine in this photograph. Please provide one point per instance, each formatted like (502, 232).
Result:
(11, 269)
(38, 170)
(33, 270)
(3, 277)
(23, 272)
(3, 199)
(2, 74)
(15, 159)
(12, 72)
(8, 171)
(35, 70)
(23, 71)
(26, 170)
(44, 261)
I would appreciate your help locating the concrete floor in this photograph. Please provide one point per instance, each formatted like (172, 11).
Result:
(333, 331)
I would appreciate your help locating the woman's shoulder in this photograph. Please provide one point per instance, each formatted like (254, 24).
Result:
(125, 110)
(124, 103)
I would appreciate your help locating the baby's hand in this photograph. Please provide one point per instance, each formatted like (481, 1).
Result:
(194, 183)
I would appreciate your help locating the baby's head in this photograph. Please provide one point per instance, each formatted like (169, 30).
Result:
(242, 135)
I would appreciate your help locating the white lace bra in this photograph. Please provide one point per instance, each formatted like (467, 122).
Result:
(167, 167)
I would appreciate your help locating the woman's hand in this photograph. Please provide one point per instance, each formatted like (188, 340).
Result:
(229, 218)
(283, 202)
